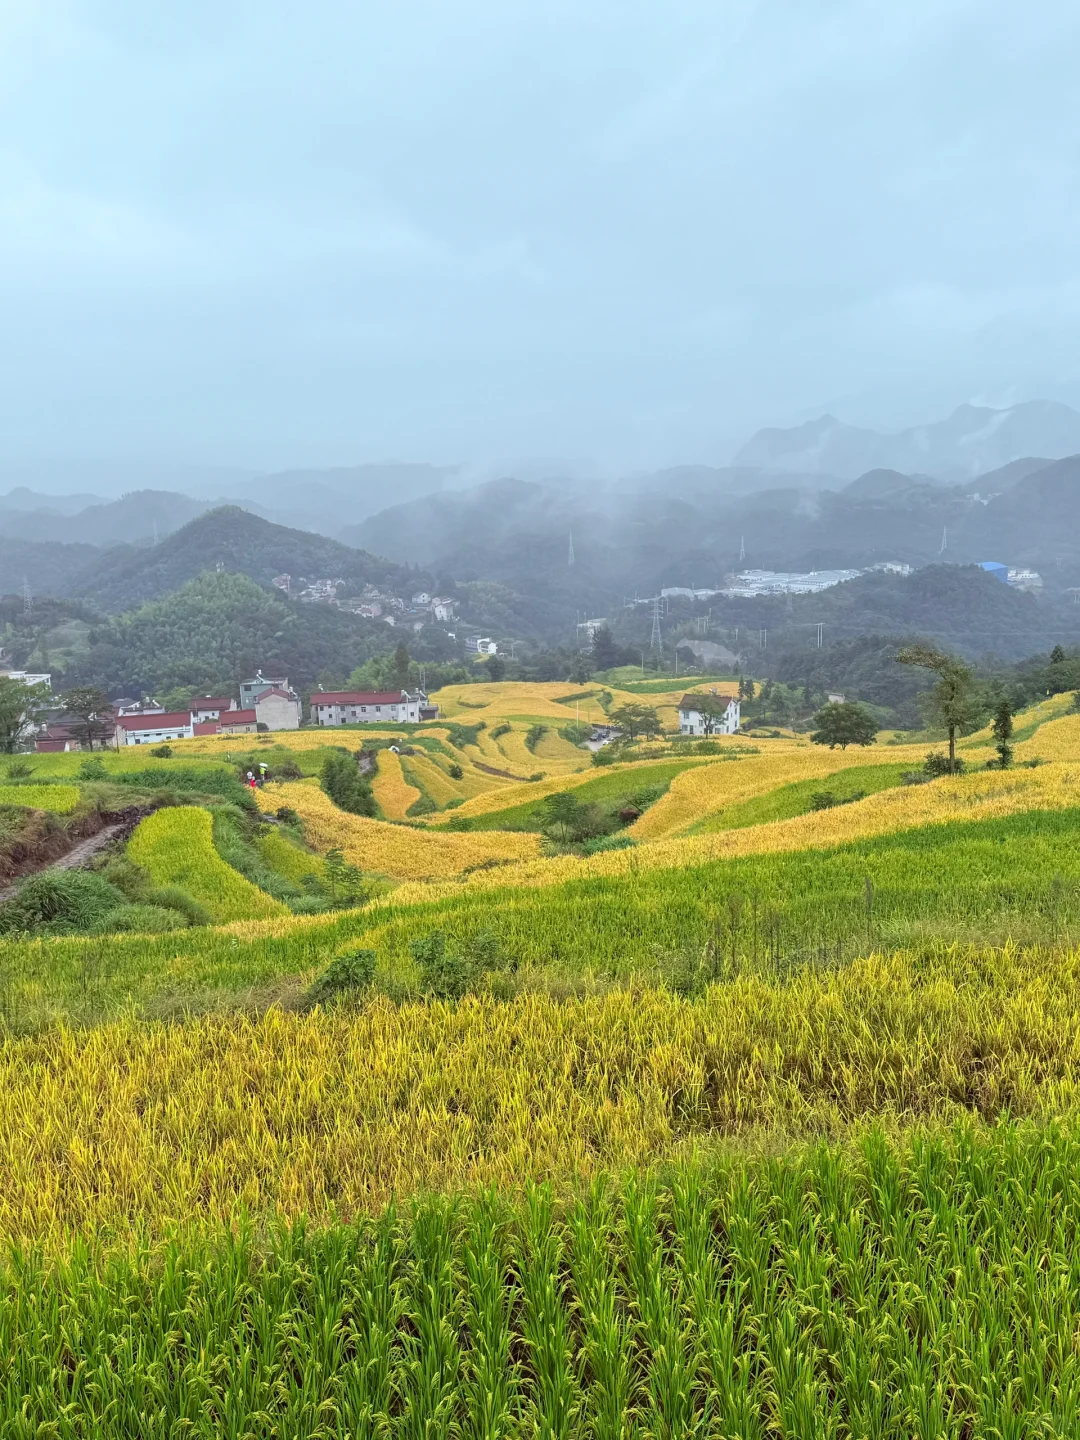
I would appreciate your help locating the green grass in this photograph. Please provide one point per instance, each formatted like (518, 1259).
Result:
(979, 882)
(289, 859)
(795, 799)
(60, 799)
(602, 790)
(927, 1286)
(176, 847)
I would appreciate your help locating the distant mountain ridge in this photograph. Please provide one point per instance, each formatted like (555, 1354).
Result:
(973, 440)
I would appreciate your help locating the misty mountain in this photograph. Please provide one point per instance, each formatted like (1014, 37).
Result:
(328, 500)
(134, 517)
(228, 538)
(973, 440)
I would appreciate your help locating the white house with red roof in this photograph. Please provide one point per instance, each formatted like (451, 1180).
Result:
(367, 707)
(277, 708)
(211, 707)
(154, 729)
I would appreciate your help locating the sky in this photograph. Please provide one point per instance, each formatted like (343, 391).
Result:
(600, 236)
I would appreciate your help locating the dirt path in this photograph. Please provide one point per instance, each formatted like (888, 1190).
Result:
(76, 856)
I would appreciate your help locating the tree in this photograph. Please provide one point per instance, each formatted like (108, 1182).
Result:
(400, 670)
(19, 706)
(844, 723)
(634, 720)
(495, 666)
(93, 714)
(954, 703)
(341, 779)
(1057, 655)
(712, 709)
(1002, 730)
(605, 653)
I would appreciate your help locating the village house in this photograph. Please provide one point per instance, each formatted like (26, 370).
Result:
(153, 729)
(211, 707)
(708, 714)
(238, 722)
(277, 709)
(367, 707)
(250, 688)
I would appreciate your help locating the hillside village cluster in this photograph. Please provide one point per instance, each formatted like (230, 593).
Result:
(372, 603)
(268, 703)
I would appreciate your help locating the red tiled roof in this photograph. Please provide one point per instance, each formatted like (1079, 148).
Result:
(274, 690)
(172, 720)
(356, 697)
(237, 717)
(207, 727)
(212, 702)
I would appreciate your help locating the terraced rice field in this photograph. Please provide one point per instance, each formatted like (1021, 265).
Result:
(176, 847)
(393, 793)
(765, 1126)
(400, 852)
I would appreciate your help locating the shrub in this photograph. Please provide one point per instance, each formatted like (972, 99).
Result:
(287, 815)
(172, 897)
(936, 765)
(504, 729)
(534, 735)
(162, 752)
(140, 919)
(459, 822)
(444, 975)
(823, 800)
(19, 770)
(93, 769)
(455, 771)
(61, 901)
(346, 976)
(341, 780)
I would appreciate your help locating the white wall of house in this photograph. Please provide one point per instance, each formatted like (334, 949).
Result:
(153, 737)
(277, 712)
(693, 722)
(402, 712)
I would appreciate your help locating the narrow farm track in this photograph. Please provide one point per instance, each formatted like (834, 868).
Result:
(77, 856)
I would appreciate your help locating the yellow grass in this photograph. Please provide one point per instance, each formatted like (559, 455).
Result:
(1054, 740)
(143, 1127)
(432, 774)
(399, 852)
(392, 791)
(60, 799)
(710, 789)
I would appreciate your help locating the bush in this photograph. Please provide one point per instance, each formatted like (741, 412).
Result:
(162, 752)
(287, 815)
(342, 782)
(936, 765)
(534, 735)
(140, 919)
(93, 769)
(501, 729)
(19, 770)
(60, 901)
(456, 772)
(823, 800)
(346, 976)
(459, 822)
(444, 975)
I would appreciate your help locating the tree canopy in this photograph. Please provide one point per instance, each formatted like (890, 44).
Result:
(844, 723)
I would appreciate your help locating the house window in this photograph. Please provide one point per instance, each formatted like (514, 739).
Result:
(378, 709)
(363, 709)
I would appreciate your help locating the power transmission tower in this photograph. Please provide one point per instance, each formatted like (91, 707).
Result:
(763, 637)
(742, 547)
(27, 597)
(819, 630)
(570, 556)
(155, 533)
(656, 643)
(944, 540)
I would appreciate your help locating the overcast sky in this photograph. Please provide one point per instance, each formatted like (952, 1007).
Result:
(621, 233)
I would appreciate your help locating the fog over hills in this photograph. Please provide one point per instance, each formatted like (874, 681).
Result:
(973, 440)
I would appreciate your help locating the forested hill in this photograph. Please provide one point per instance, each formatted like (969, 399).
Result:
(217, 629)
(234, 540)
